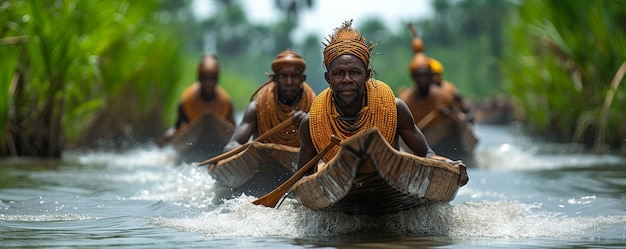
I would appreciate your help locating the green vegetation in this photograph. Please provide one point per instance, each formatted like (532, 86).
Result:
(83, 66)
(88, 73)
(561, 64)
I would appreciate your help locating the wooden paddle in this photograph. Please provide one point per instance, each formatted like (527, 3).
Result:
(272, 198)
(427, 119)
(260, 138)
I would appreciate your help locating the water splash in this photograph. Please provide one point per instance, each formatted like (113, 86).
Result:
(189, 186)
(507, 148)
(186, 185)
(511, 157)
(140, 156)
(45, 217)
(510, 219)
(501, 219)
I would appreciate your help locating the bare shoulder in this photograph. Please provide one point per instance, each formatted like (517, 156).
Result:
(305, 130)
(405, 117)
(402, 106)
(249, 115)
(251, 108)
(304, 123)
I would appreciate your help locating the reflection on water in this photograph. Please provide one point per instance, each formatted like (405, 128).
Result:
(520, 194)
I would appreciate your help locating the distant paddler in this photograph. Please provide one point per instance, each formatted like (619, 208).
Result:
(204, 96)
(437, 107)
(272, 118)
(285, 94)
(275, 109)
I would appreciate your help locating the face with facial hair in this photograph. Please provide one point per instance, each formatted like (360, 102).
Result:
(347, 76)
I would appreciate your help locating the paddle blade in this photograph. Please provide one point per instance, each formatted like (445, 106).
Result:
(268, 200)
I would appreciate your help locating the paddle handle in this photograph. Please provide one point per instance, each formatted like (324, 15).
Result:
(272, 198)
(427, 119)
(241, 148)
(276, 129)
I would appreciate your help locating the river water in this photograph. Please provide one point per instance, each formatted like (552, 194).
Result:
(521, 194)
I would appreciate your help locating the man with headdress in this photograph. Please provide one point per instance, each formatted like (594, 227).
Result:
(202, 97)
(437, 108)
(284, 95)
(355, 102)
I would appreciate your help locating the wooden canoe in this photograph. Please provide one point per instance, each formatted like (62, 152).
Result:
(202, 138)
(369, 177)
(256, 170)
(453, 140)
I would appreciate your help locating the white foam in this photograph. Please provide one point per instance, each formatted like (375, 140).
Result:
(501, 219)
(187, 185)
(147, 155)
(512, 157)
(510, 219)
(44, 217)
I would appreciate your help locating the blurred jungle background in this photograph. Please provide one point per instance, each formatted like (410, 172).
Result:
(87, 74)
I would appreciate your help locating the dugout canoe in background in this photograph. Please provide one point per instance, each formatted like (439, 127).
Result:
(454, 140)
(256, 170)
(202, 138)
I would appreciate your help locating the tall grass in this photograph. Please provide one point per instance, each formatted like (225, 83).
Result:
(561, 64)
(87, 69)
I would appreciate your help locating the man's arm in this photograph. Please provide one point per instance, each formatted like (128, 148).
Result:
(411, 135)
(307, 149)
(245, 129)
(415, 140)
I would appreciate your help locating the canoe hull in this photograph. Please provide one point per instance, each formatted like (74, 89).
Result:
(202, 138)
(256, 170)
(369, 177)
(453, 140)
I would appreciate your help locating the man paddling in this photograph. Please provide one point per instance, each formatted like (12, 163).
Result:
(202, 97)
(355, 102)
(283, 96)
(438, 108)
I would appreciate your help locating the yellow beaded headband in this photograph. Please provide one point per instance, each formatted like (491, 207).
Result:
(347, 40)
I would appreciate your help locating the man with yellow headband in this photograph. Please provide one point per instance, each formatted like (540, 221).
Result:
(284, 95)
(355, 102)
(203, 96)
(437, 108)
(460, 103)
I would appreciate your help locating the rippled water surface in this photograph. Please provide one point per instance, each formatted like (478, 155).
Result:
(521, 194)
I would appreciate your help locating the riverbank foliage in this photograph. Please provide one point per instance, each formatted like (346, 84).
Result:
(83, 65)
(562, 66)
